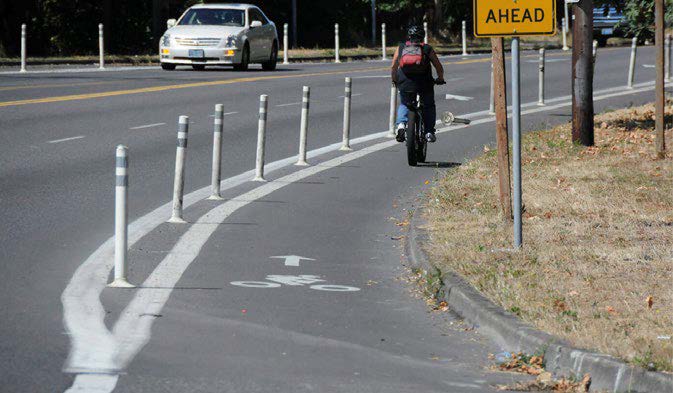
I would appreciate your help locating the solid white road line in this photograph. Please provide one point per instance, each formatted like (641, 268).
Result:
(147, 126)
(290, 104)
(79, 70)
(96, 350)
(226, 114)
(353, 95)
(66, 139)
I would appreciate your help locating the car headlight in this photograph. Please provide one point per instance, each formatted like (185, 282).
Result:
(231, 41)
(166, 40)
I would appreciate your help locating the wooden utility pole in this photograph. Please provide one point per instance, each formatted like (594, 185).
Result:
(660, 84)
(502, 138)
(582, 74)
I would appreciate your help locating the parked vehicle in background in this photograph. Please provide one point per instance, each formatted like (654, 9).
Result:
(220, 34)
(607, 21)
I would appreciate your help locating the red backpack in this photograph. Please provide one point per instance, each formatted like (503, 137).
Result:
(413, 59)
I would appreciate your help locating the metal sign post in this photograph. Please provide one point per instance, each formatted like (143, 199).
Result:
(516, 141)
(515, 18)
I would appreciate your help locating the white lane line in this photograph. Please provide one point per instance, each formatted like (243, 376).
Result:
(371, 76)
(79, 70)
(556, 60)
(353, 95)
(290, 104)
(649, 66)
(147, 126)
(226, 114)
(93, 347)
(458, 98)
(66, 139)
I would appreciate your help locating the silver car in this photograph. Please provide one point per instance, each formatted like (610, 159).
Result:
(220, 34)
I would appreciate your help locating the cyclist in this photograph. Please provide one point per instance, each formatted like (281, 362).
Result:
(412, 74)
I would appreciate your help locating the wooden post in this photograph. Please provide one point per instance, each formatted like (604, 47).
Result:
(582, 74)
(502, 138)
(660, 83)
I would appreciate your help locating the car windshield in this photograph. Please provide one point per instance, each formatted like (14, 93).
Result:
(213, 17)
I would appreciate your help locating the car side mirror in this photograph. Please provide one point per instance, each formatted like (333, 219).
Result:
(255, 24)
(170, 23)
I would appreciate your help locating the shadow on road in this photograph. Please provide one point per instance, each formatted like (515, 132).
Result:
(437, 164)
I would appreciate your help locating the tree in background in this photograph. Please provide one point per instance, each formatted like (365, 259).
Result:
(639, 18)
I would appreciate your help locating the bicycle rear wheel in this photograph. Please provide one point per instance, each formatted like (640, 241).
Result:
(411, 139)
(421, 143)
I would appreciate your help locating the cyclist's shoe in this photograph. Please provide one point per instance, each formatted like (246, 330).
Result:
(401, 131)
(430, 136)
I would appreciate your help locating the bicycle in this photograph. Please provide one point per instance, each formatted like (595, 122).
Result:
(417, 143)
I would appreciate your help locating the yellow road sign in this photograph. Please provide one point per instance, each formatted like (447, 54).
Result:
(504, 18)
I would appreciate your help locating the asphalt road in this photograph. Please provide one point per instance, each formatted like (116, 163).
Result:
(189, 328)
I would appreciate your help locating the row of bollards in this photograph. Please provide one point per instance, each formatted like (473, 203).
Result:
(24, 50)
(121, 166)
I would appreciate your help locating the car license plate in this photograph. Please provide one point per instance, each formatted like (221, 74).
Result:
(196, 53)
(607, 31)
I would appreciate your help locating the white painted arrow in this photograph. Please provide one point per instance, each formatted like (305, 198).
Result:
(292, 260)
(459, 98)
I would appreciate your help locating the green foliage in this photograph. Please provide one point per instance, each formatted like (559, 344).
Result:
(639, 18)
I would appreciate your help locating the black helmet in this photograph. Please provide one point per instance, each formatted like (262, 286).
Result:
(415, 33)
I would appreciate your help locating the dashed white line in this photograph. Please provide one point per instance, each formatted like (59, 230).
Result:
(147, 126)
(458, 98)
(352, 95)
(226, 114)
(66, 139)
(290, 104)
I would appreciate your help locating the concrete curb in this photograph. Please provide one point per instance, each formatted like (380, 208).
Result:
(511, 334)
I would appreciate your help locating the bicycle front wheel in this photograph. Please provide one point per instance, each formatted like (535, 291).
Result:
(412, 157)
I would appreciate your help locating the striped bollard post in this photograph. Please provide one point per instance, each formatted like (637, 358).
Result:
(346, 141)
(632, 62)
(121, 219)
(336, 43)
(564, 23)
(464, 32)
(101, 47)
(179, 180)
(383, 41)
(393, 112)
(425, 30)
(217, 153)
(261, 138)
(541, 67)
(491, 102)
(303, 130)
(594, 51)
(23, 47)
(667, 57)
(285, 44)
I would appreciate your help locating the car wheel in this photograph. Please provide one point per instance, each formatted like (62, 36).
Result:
(167, 66)
(199, 67)
(273, 60)
(245, 59)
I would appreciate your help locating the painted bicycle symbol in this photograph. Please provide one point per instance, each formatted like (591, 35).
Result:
(276, 281)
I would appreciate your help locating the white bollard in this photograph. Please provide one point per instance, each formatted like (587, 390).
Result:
(121, 218)
(425, 29)
(23, 48)
(179, 180)
(101, 48)
(541, 67)
(303, 131)
(336, 43)
(632, 62)
(217, 153)
(564, 22)
(346, 142)
(491, 105)
(464, 39)
(383, 41)
(393, 112)
(594, 51)
(667, 57)
(261, 138)
(285, 44)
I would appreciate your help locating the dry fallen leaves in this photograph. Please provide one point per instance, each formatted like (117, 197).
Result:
(545, 382)
(650, 301)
